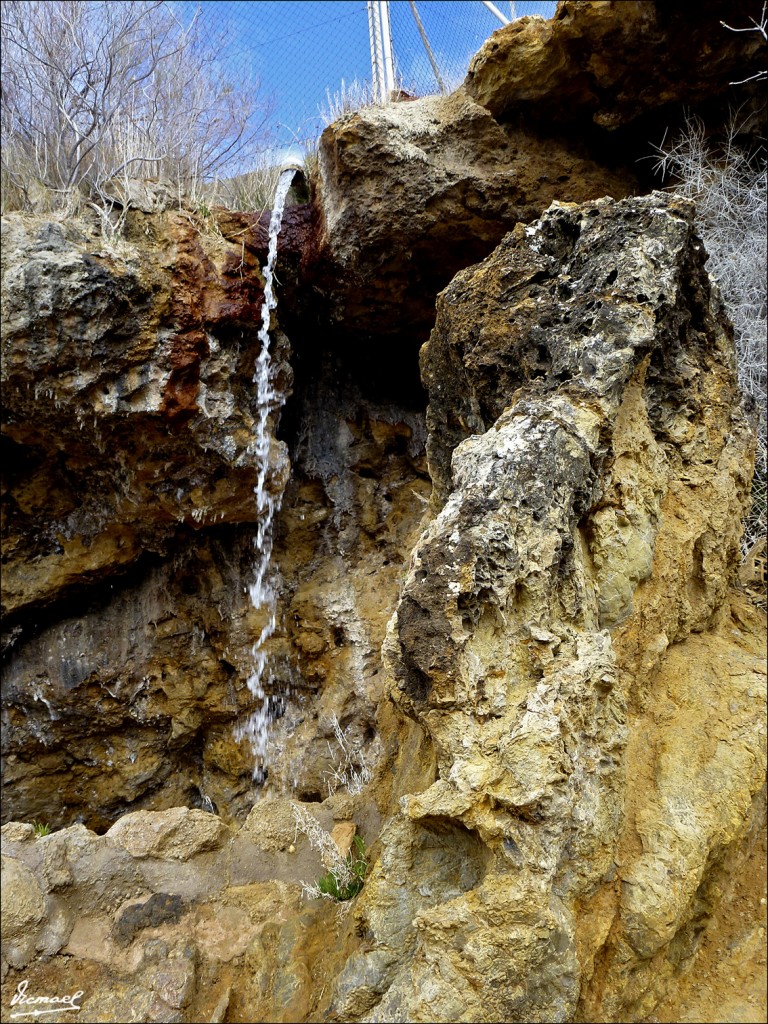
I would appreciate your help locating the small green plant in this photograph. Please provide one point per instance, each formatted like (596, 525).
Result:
(343, 885)
(42, 828)
(346, 875)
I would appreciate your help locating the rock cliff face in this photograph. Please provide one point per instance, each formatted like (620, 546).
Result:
(130, 518)
(530, 637)
(567, 109)
(506, 650)
(446, 181)
(129, 442)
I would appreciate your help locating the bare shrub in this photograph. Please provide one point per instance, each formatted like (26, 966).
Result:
(761, 27)
(345, 875)
(729, 188)
(253, 190)
(350, 97)
(351, 771)
(96, 90)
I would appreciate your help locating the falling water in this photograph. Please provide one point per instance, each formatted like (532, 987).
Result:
(260, 591)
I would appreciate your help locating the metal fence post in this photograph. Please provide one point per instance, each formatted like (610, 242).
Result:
(427, 47)
(386, 45)
(495, 11)
(374, 34)
(382, 61)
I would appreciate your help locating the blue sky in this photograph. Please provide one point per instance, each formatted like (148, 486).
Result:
(298, 49)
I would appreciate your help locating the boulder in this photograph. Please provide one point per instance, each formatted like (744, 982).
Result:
(586, 65)
(179, 833)
(25, 906)
(411, 193)
(567, 109)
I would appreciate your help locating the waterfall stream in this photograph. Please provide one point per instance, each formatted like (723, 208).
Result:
(260, 590)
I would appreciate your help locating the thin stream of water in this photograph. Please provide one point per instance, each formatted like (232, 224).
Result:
(260, 591)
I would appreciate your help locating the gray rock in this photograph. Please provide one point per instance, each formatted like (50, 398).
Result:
(177, 834)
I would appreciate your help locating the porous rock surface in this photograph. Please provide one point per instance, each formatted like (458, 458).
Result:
(589, 456)
(565, 109)
(570, 742)
(412, 192)
(562, 721)
(129, 465)
(129, 519)
(142, 343)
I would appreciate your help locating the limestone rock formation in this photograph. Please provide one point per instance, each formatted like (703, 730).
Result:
(589, 456)
(582, 749)
(129, 525)
(443, 181)
(506, 652)
(129, 431)
(592, 62)
(142, 344)
(567, 109)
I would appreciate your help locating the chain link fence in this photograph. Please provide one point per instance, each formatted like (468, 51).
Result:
(210, 95)
(313, 59)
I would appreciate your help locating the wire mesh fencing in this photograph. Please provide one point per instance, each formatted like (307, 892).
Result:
(313, 60)
(207, 93)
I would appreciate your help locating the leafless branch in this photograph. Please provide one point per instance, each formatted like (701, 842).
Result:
(97, 88)
(762, 28)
